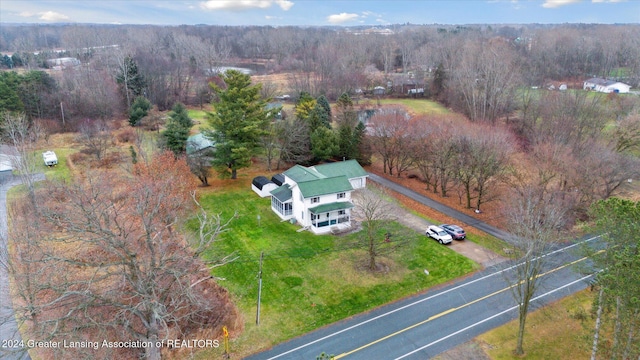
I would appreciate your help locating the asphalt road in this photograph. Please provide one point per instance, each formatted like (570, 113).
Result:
(424, 326)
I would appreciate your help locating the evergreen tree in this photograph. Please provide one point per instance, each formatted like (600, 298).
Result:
(618, 303)
(180, 115)
(175, 137)
(304, 105)
(139, 109)
(237, 123)
(323, 143)
(347, 121)
(437, 85)
(362, 145)
(131, 79)
(324, 104)
(177, 130)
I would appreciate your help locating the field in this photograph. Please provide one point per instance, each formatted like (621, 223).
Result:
(559, 331)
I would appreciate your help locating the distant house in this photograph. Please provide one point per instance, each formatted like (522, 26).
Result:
(63, 63)
(198, 144)
(606, 86)
(319, 197)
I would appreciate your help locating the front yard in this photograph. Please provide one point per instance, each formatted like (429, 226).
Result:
(310, 281)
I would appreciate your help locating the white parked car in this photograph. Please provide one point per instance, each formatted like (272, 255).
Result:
(438, 234)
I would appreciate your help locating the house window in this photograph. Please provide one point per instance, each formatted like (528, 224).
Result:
(341, 212)
(341, 195)
(313, 216)
(315, 199)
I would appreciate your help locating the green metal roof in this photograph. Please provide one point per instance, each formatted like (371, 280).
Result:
(282, 193)
(350, 168)
(325, 186)
(198, 142)
(331, 207)
(300, 174)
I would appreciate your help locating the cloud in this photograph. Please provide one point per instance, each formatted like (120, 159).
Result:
(46, 16)
(341, 18)
(608, 1)
(552, 4)
(245, 4)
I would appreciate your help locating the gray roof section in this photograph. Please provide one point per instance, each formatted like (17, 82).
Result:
(283, 193)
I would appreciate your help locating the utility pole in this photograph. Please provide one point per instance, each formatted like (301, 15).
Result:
(259, 288)
(62, 111)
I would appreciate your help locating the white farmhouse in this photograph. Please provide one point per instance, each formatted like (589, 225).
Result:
(606, 86)
(319, 197)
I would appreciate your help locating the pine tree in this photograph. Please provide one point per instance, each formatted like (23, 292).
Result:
(237, 123)
(131, 79)
(139, 109)
(177, 130)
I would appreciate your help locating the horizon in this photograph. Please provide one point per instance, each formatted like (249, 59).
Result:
(315, 13)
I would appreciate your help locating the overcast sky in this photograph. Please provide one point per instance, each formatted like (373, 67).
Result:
(319, 12)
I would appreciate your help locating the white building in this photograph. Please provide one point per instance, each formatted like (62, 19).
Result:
(319, 197)
(606, 86)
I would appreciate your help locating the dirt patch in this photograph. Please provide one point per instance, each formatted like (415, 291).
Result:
(468, 351)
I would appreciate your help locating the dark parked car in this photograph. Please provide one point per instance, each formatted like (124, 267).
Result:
(456, 232)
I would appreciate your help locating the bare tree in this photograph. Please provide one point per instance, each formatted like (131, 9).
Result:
(116, 265)
(376, 213)
(18, 132)
(535, 218)
(95, 137)
(388, 129)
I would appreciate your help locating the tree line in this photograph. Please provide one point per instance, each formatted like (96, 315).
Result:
(474, 69)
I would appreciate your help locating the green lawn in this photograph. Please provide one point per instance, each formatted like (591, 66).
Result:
(419, 106)
(309, 280)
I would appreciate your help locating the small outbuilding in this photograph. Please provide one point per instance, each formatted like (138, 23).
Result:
(263, 186)
(50, 158)
(278, 179)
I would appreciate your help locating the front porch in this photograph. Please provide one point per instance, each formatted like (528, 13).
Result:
(333, 217)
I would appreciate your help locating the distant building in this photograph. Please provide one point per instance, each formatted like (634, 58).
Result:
(198, 143)
(63, 63)
(606, 86)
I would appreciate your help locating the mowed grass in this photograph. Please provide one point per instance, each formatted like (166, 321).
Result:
(561, 330)
(310, 281)
(419, 106)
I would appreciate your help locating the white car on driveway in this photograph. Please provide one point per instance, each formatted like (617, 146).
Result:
(438, 234)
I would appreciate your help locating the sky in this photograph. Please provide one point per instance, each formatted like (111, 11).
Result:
(320, 12)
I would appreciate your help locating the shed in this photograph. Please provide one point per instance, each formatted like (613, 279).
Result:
(50, 158)
(199, 143)
(263, 186)
(378, 90)
(278, 179)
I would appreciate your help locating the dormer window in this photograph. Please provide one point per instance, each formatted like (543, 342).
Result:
(341, 195)
(315, 200)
